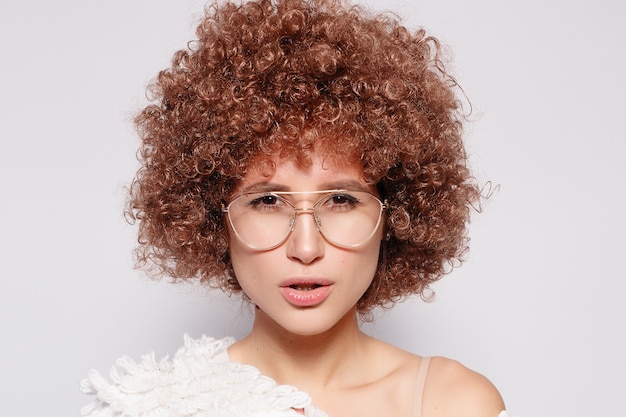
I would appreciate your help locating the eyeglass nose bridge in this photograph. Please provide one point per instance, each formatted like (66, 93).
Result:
(304, 210)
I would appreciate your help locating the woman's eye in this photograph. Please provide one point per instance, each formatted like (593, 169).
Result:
(264, 200)
(346, 200)
(269, 199)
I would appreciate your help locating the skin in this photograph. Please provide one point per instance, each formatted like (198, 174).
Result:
(321, 349)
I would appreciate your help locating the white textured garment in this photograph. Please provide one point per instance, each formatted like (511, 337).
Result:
(199, 381)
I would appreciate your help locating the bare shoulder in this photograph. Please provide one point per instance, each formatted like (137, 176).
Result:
(454, 390)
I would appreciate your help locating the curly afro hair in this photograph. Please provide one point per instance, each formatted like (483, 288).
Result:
(281, 78)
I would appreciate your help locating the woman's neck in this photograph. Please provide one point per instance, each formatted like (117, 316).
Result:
(310, 362)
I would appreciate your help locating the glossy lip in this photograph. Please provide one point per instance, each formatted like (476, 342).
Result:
(306, 298)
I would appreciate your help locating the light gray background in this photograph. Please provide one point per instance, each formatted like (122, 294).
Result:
(538, 307)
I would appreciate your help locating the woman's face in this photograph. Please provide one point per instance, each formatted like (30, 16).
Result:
(305, 284)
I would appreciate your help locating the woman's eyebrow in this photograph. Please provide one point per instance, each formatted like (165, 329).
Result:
(350, 185)
(263, 187)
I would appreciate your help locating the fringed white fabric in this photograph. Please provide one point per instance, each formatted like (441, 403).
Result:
(200, 381)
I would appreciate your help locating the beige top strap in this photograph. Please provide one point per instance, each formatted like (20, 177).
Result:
(420, 381)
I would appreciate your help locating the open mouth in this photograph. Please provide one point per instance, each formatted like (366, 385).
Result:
(306, 293)
(305, 287)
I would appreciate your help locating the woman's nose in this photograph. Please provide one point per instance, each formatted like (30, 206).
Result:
(305, 243)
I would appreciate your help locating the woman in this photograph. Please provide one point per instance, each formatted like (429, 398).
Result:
(307, 155)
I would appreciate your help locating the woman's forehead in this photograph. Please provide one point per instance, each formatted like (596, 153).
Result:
(293, 174)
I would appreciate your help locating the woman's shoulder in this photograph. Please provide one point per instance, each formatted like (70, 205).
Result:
(199, 380)
(452, 389)
(445, 386)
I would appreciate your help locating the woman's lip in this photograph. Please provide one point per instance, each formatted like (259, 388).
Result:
(306, 292)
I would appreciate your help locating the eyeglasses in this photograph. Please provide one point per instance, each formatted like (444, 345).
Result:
(264, 220)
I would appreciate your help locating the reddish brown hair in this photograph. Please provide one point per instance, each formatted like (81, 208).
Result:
(279, 78)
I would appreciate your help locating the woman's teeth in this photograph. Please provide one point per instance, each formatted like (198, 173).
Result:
(305, 287)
